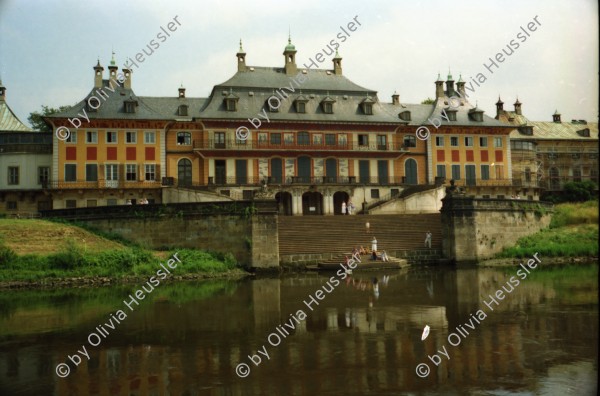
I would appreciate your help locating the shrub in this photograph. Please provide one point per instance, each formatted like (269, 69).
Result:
(7, 255)
(70, 258)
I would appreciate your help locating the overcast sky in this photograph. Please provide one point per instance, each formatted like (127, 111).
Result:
(48, 47)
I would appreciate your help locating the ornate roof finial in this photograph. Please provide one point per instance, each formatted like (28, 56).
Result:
(112, 61)
(241, 49)
(449, 75)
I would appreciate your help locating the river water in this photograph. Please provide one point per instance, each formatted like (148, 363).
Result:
(540, 338)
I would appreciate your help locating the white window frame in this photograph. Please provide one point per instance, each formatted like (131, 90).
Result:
(148, 134)
(130, 133)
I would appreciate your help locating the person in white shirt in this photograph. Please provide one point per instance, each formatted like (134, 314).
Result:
(374, 245)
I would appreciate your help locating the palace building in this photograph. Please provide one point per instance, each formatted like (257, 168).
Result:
(546, 155)
(25, 160)
(314, 137)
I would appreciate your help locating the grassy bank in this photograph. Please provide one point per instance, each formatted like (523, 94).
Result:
(39, 251)
(573, 232)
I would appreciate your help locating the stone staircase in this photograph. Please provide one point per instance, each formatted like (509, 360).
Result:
(314, 239)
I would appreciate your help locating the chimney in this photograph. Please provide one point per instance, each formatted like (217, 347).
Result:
(241, 59)
(499, 107)
(98, 69)
(460, 86)
(2, 92)
(112, 68)
(439, 87)
(450, 85)
(181, 91)
(127, 75)
(556, 116)
(290, 58)
(395, 99)
(518, 107)
(337, 64)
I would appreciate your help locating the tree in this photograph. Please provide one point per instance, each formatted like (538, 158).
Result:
(428, 101)
(36, 118)
(579, 191)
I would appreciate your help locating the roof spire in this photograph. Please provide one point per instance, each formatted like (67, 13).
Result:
(449, 75)
(112, 61)
(241, 49)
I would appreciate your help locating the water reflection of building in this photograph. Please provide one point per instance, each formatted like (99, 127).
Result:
(180, 349)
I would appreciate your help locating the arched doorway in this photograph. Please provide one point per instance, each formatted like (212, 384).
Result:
(331, 170)
(410, 171)
(284, 203)
(184, 172)
(312, 203)
(338, 198)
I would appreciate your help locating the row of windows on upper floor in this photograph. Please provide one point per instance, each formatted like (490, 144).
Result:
(273, 105)
(302, 138)
(468, 141)
(91, 137)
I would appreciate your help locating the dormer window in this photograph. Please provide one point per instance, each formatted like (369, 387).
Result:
(231, 101)
(130, 105)
(273, 104)
(584, 132)
(300, 104)
(404, 115)
(526, 130)
(327, 105)
(183, 110)
(367, 105)
(476, 114)
(451, 114)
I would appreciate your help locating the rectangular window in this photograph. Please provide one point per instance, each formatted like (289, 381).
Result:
(499, 172)
(150, 172)
(91, 172)
(381, 142)
(363, 140)
(497, 142)
(184, 138)
(71, 138)
(70, 203)
(130, 137)
(91, 137)
(149, 138)
(13, 175)
(485, 172)
(11, 205)
(111, 137)
(131, 172)
(112, 172)
(483, 141)
(441, 171)
(43, 174)
(468, 141)
(330, 139)
(375, 193)
(439, 141)
(301, 106)
(219, 140)
(456, 172)
(70, 172)
(92, 203)
(303, 138)
(111, 202)
(276, 138)
(454, 141)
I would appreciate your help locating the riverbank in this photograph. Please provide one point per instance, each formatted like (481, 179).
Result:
(43, 254)
(572, 238)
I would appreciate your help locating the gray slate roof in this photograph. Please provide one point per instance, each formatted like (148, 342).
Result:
(251, 89)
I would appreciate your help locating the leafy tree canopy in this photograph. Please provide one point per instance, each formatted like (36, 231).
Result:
(36, 118)
(428, 101)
